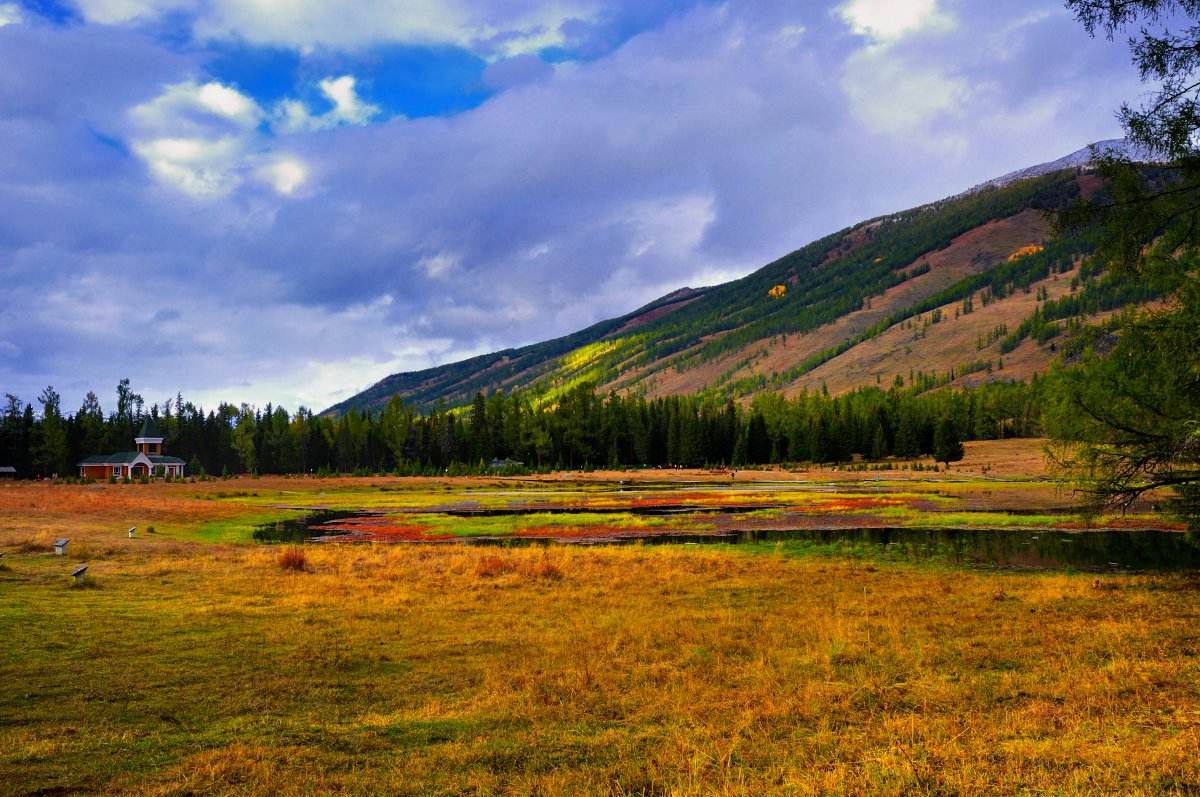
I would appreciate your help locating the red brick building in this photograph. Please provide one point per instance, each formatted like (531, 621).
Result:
(147, 460)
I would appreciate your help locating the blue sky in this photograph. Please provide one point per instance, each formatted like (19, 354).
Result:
(286, 200)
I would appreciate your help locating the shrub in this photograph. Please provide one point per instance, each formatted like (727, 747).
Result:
(491, 566)
(546, 569)
(293, 559)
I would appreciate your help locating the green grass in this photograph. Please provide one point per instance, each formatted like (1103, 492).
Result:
(240, 529)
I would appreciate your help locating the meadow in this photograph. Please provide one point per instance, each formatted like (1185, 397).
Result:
(194, 660)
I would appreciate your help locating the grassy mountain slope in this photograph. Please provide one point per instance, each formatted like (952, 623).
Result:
(935, 294)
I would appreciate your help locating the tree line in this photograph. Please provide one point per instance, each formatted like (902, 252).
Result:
(582, 430)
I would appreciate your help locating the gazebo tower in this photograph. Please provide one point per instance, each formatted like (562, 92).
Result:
(148, 440)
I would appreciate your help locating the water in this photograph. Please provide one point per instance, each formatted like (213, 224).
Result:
(1106, 550)
(302, 529)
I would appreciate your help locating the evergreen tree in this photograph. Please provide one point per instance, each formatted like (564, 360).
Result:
(51, 455)
(947, 447)
(1130, 422)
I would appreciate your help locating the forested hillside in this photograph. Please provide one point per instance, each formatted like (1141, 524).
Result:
(580, 430)
(979, 287)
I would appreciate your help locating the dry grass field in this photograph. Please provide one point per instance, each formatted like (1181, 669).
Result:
(188, 664)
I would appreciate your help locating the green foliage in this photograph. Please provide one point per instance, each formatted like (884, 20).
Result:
(1129, 417)
(585, 430)
(947, 447)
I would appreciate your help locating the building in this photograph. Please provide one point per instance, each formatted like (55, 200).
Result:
(148, 460)
(8, 472)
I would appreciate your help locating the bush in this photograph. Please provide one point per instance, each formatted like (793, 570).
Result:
(546, 569)
(293, 559)
(491, 566)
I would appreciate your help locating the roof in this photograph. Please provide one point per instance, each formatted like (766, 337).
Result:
(127, 457)
(149, 430)
(120, 458)
(7, 469)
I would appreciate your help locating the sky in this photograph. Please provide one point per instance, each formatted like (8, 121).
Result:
(287, 200)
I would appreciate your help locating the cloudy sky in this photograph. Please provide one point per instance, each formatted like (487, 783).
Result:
(286, 200)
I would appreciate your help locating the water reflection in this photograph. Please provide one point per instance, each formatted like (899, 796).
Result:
(1043, 549)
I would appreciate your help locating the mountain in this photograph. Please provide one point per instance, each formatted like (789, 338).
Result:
(975, 287)
(1078, 159)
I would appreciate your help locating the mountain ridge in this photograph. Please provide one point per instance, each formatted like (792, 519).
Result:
(801, 317)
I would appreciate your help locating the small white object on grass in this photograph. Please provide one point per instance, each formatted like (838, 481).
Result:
(132, 532)
(60, 546)
(79, 573)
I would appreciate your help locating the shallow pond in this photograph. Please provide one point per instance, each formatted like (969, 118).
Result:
(1104, 550)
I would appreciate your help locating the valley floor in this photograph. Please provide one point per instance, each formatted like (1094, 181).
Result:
(191, 662)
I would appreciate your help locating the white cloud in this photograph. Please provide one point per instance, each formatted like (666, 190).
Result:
(891, 94)
(193, 106)
(303, 24)
(196, 137)
(790, 35)
(10, 14)
(201, 167)
(286, 175)
(292, 116)
(439, 266)
(347, 107)
(888, 20)
(114, 12)
(670, 228)
(202, 137)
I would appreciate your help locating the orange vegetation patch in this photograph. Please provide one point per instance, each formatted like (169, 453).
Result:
(1025, 251)
(702, 499)
(34, 507)
(852, 505)
(599, 531)
(380, 529)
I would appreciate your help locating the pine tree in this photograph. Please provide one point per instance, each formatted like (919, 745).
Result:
(947, 447)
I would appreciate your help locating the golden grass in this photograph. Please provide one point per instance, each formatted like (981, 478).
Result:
(206, 669)
(191, 667)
